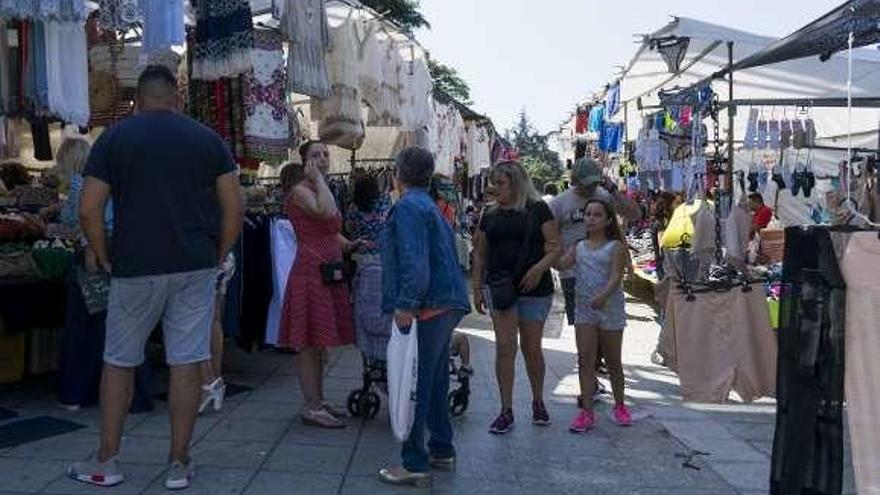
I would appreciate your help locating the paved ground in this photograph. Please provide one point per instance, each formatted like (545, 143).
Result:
(256, 445)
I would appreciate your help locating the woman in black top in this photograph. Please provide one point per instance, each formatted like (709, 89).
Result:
(518, 240)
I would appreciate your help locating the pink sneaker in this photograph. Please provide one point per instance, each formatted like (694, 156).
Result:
(583, 422)
(622, 416)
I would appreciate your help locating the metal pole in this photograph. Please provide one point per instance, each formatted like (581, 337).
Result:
(731, 114)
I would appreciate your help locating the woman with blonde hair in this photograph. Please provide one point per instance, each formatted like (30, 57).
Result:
(516, 244)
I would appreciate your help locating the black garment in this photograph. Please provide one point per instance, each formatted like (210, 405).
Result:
(256, 280)
(82, 357)
(232, 305)
(808, 443)
(505, 232)
(162, 168)
(40, 134)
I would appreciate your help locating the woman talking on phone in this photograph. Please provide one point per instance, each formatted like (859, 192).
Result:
(317, 312)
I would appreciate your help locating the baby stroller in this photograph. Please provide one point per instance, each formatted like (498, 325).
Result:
(373, 330)
(365, 402)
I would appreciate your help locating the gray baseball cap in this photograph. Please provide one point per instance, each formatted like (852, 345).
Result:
(586, 172)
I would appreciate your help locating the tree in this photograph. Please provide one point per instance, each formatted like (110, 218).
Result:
(404, 13)
(542, 163)
(450, 82)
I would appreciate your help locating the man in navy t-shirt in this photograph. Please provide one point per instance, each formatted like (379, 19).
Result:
(177, 215)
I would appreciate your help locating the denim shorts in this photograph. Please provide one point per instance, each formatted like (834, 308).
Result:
(182, 302)
(532, 309)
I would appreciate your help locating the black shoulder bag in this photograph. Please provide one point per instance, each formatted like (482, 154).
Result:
(503, 285)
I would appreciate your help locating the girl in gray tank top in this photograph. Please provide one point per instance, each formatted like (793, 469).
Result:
(599, 263)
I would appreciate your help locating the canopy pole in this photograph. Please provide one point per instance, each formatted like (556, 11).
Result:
(731, 115)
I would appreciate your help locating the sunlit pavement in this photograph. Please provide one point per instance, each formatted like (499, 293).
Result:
(257, 445)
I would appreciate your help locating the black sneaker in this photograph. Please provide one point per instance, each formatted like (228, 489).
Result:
(540, 416)
(503, 424)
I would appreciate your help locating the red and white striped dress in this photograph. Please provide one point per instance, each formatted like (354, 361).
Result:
(315, 314)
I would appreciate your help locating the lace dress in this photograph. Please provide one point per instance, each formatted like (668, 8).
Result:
(224, 39)
(45, 10)
(119, 15)
(305, 23)
(67, 75)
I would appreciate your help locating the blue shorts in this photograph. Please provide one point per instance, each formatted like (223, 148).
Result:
(532, 309)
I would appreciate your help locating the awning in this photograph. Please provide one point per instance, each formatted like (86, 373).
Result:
(825, 36)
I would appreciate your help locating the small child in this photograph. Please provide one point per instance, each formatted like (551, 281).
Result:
(600, 315)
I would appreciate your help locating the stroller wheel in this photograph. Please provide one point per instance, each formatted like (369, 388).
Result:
(354, 403)
(458, 402)
(369, 404)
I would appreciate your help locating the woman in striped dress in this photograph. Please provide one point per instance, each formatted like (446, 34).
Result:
(316, 314)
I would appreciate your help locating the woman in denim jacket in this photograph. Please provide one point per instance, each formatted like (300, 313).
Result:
(422, 281)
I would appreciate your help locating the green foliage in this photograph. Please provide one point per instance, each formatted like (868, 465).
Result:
(450, 82)
(542, 163)
(403, 12)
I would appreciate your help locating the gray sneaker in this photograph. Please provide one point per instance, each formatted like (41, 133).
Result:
(180, 476)
(97, 473)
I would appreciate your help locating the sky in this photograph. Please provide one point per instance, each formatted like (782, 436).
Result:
(545, 56)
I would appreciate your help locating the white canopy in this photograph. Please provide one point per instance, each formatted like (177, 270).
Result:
(806, 78)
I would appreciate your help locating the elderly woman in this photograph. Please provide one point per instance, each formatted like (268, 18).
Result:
(422, 282)
(517, 242)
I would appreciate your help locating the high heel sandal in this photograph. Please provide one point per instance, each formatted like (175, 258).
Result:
(214, 393)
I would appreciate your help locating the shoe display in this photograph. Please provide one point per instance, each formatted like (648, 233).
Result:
(97, 473)
(179, 476)
(503, 424)
(540, 416)
(583, 422)
(622, 415)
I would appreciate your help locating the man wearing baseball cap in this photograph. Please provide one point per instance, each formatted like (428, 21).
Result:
(587, 182)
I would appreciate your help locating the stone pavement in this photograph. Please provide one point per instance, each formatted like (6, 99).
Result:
(257, 445)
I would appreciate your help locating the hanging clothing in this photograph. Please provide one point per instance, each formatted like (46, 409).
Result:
(612, 100)
(37, 63)
(163, 25)
(390, 95)
(370, 63)
(267, 124)
(720, 342)
(597, 118)
(283, 240)
(339, 116)
(478, 154)
(315, 314)
(67, 72)
(256, 283)
(416, 91)
(55, 10)
(224, 39)
(861, 270)
(305, 24)
(119, 15)
(808, 440)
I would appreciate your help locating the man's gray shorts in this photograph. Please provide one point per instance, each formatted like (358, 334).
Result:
(182, 302)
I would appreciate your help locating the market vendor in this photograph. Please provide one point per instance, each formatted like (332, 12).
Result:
(761, 213)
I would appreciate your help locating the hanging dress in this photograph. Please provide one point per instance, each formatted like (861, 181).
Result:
(267, 125)
(315, 314)
(163, 25)
(305, 23)
(224, 39)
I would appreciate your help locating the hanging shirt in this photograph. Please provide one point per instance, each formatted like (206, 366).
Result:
(597, 118)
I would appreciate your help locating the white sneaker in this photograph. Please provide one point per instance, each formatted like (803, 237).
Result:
(213, 393)
(179, 476)
(97, 473)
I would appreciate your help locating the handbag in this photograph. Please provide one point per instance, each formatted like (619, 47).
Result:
(502, 285)
(332, 272)
(403, 368)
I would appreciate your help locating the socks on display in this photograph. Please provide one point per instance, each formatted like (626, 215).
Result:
(799, 136)
(778, 178)
(751, 130)
(797, 180)
(774, 133)
(785, 134)
(763, 130)
(809, 133)
(753, 181)
(809, 181)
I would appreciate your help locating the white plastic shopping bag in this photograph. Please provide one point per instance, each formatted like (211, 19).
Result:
(403, 369)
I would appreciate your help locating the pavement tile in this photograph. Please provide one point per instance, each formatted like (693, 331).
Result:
(144, 450)
(732, 449)
(137, 478)
(22, 475)
(231, 454)
(158, 425)
(745, 475)
(70, 447)
(264, 411)
(276, 483)
(370, 485)
(301, 434)
(208, 481)
(247, 429)
(309, 459)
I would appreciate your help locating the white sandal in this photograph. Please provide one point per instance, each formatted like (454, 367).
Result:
(321, 418)
(215, 392)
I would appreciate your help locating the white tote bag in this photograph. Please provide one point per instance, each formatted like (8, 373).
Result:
(403, 369)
